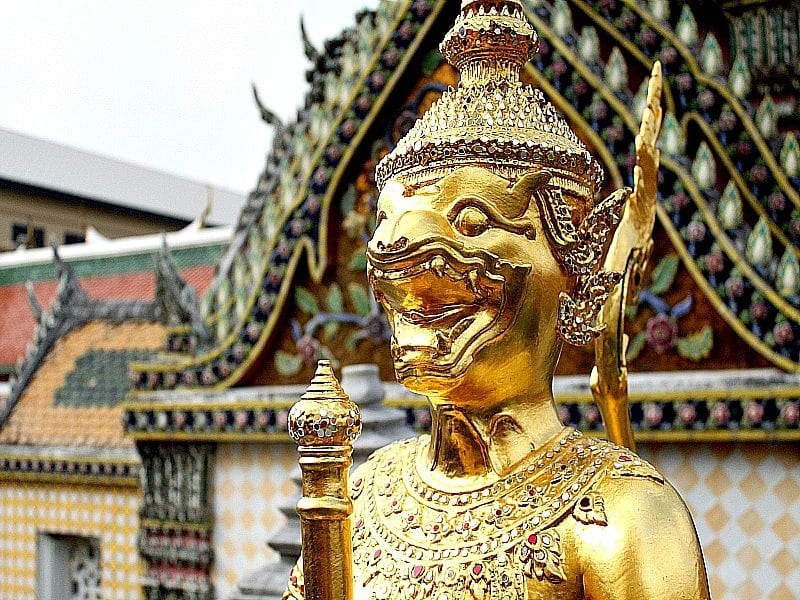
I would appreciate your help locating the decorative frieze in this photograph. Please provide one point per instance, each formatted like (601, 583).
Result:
(175, 537)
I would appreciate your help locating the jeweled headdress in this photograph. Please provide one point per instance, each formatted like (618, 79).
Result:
(492, 118)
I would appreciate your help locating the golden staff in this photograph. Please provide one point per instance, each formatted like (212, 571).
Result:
(629, 252)
(325, 423)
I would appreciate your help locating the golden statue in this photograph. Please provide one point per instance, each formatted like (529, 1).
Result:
(490, 251)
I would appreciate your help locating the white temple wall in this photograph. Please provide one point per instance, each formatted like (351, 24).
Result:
(250, 482)
(745, 500)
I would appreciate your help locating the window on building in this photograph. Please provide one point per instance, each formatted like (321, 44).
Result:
(32, 237)
(19, 234)
(68, 567)
(74, 238)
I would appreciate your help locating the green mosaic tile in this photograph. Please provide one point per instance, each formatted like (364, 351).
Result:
(100, 378)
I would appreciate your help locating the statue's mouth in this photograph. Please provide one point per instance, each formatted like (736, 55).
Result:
(443, 301)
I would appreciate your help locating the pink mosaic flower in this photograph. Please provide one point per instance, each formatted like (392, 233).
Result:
(653, 414)
(696, 231)
(754, 413)
(687, 414)
(783, 333)
(720, 414)
(662, 332)
(308, 349)
(715, 262)
(591, 415)
(790, 414)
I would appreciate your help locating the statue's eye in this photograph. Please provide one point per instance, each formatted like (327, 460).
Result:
(471, 221)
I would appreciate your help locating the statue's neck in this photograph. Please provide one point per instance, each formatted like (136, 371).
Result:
(470, 443)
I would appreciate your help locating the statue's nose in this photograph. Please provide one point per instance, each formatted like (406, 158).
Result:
(410, 227)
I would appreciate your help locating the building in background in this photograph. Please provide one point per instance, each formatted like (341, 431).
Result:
(207, 389)
(54, 193)
(70, 488)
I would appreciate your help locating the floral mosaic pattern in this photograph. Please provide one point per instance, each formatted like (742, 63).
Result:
(661, 332)
(768, 415)
(729, 179)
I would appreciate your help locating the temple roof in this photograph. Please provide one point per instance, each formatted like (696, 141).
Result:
(44, 165)
(118, 269)
(710, 116)
(289, 285)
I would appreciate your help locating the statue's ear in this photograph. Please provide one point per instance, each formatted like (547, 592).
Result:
(597, 229)
(525, 187)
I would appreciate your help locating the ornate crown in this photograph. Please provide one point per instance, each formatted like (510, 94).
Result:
(492, 118)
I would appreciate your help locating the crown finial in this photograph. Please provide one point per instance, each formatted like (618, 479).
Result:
(490, 34)
(325, 415)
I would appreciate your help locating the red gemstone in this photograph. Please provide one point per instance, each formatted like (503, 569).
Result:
(498, 512)
(477, 569)
(466, 526)
(417, 571)
(410, 518)
(359, 522)
(359, 482)
(377, 554)
(394, 503)
(293, 579)
(436, 528)
(625, 458)
(533, 538)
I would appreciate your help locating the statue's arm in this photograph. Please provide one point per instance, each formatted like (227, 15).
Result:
(648, 551)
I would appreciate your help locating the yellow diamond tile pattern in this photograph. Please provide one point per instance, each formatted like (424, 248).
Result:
(746, 507)
(250, 482)
(107, 514)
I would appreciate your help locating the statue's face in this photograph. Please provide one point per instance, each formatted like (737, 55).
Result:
(466, 275)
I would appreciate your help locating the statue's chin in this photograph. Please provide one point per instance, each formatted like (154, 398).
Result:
(431, 376)
(428, 384)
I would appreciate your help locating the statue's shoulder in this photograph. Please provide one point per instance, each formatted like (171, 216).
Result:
(650, 521)
(625, 481)
(620, 463)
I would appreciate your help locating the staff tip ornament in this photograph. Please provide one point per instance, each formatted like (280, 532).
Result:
(324, 415)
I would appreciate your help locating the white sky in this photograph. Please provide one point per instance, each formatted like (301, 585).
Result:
(161, 83)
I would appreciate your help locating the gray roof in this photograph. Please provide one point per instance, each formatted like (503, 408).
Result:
(35, 162)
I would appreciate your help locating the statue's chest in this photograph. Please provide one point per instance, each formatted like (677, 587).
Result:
(510, 540)
(523, 570)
